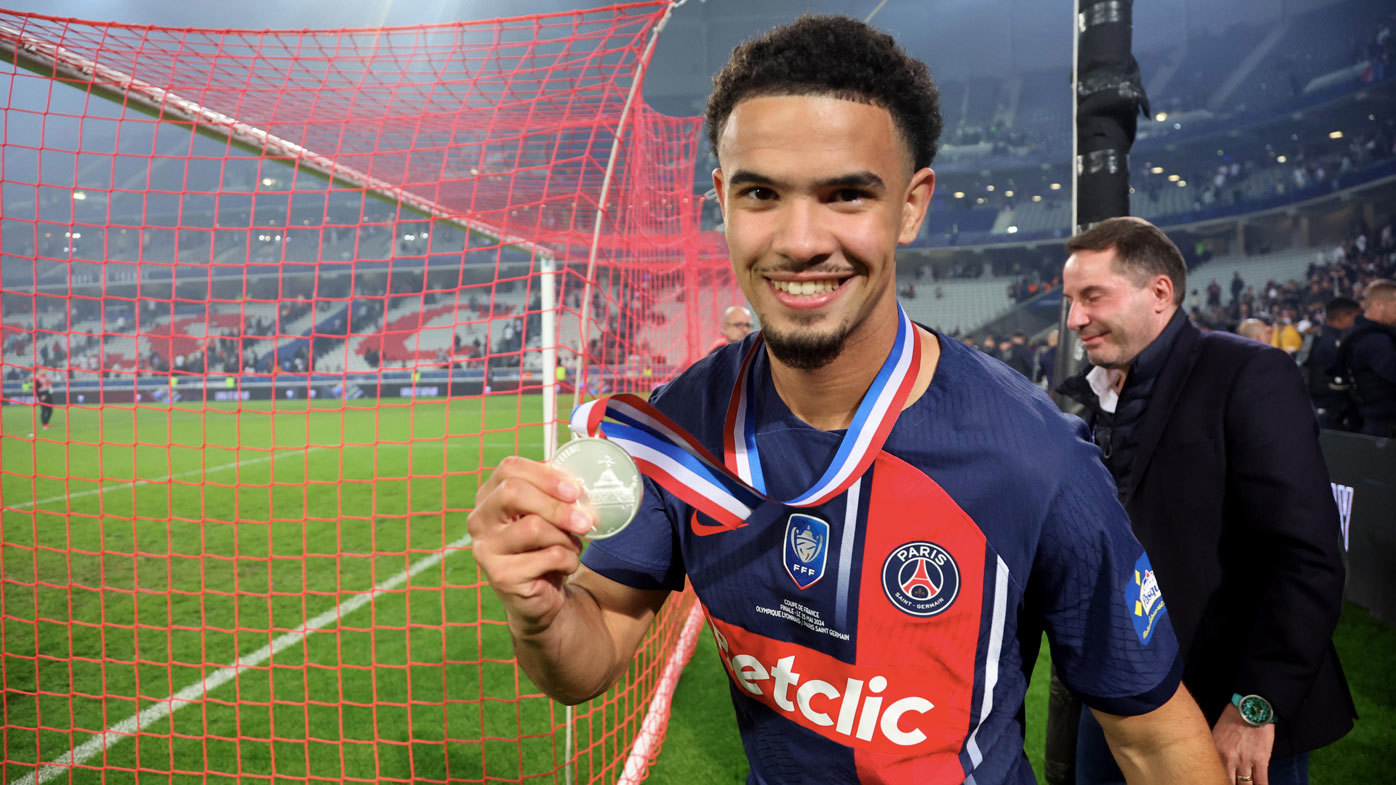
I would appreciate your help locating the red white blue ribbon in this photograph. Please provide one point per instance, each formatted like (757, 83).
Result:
(729, 490)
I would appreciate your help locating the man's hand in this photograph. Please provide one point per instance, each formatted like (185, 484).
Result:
(1244, 750)
(524, 532)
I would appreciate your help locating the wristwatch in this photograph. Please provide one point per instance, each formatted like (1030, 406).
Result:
(1255, 710)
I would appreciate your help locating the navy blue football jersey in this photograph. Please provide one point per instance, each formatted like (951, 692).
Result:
(888, 635)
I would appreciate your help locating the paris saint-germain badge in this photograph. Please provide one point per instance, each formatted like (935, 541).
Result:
(806, 549)
(921, 579)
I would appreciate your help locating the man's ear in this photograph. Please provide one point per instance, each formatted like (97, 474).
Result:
(718, 184)
(1162, 288)
(918, 201)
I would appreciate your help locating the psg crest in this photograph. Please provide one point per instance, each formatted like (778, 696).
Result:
(806, 549)
(921, 579)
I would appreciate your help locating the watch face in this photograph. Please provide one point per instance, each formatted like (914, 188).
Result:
(1255, 710)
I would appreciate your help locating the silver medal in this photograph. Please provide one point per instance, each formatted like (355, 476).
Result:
(610, 482)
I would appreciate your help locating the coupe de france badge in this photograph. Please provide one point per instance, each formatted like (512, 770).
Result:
(921, 579)
(1144, 600)
(806, 549)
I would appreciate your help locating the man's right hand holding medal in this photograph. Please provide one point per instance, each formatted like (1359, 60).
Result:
(574, 631)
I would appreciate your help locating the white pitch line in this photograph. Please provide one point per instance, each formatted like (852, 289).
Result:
(190, 473)
(195, 693)
(250, 461)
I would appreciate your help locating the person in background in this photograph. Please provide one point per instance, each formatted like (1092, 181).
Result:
(1019, 354)
(1367, 359)
(990, 346)
(1214, 449)
(1284, 334)
(43, 396)
(1256, 330)
(1331, 404)
(1047, 360)
(736, 325)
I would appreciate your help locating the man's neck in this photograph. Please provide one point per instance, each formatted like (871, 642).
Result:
(828, 397)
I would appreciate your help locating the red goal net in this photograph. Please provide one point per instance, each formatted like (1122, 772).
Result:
(272, 306)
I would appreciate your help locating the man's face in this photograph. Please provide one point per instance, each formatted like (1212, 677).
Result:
(1115, 316)
(816, 193)
(735, 326)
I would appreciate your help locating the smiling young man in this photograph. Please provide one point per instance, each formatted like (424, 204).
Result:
(916, 514)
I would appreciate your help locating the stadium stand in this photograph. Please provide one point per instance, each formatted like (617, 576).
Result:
(959, 306)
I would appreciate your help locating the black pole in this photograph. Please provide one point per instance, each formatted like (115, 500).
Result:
(1108, 97)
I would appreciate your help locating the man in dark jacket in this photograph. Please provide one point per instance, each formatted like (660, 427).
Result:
(1214, 446)
(1331, 404)
(1019, 354)
(1367, 359)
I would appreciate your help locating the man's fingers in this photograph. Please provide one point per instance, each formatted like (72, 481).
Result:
(530, 534)
(535, 571)
(516, 496)
(549, 478)
(1259, 770)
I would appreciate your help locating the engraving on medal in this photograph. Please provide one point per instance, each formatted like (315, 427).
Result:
(610, 482)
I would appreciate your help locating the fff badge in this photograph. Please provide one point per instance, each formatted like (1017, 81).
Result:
(806, 549)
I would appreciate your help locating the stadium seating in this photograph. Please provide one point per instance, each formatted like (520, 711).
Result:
(964, 305)
(1254, 270)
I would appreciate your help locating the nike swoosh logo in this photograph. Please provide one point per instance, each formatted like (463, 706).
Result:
(704, 529)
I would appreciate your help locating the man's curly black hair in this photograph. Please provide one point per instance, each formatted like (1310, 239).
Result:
(839, 57)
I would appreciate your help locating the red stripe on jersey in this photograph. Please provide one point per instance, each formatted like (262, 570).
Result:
(918, 548)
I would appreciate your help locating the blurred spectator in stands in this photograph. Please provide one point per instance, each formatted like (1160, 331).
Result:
(1237, 286)
(1367, 359)
(736, 325)
(1047, 361)
(1284, 335)
(1214, 293)
(990, 346)
(1018, 354)
(1254, 329)
(1332, 405)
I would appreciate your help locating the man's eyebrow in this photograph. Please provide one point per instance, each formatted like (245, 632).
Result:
(866, 180)
(748, 177)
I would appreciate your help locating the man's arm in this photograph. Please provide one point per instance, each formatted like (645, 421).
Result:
(574, 631)
(1278, 487)
(1167, 745)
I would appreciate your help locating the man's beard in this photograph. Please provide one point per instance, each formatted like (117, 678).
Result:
(806, 351)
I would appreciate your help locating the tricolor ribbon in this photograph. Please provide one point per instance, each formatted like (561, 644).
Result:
(729, 490)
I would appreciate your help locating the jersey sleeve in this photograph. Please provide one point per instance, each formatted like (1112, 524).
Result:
(645, 555)
(1106, 621)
